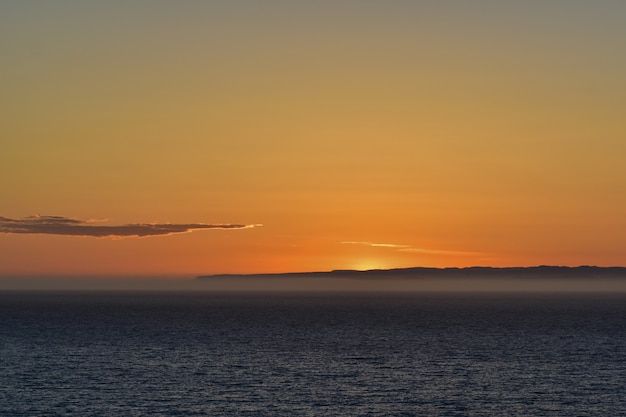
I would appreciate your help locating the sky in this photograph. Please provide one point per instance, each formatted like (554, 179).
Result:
(178, 138)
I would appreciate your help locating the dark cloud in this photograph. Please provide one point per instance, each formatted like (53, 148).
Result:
(59, 225)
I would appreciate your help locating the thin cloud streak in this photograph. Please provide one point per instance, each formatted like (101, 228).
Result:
(377, 245)
(67, 226)
(412, 249)
(440, 252)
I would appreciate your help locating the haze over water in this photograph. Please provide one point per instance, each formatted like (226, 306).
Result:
(476, 279)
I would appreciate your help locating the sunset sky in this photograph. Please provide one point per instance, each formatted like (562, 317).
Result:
(196, 137)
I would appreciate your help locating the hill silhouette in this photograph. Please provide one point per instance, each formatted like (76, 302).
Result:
(542, 271)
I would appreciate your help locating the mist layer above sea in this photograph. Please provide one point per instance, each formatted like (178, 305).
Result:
(339, 281)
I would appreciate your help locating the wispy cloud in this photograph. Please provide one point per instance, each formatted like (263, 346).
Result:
(440, 252)
(67, 226)
(379, 245)
(413, 249)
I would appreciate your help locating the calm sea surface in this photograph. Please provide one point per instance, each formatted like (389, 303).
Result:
(126, 354)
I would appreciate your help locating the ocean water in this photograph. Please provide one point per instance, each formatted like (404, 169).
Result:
(178, 354)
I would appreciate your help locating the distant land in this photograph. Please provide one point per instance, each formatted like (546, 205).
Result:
(546, 271)
(418, 279)
(592, 279)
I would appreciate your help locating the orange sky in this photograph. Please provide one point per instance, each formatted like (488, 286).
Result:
(360, 134)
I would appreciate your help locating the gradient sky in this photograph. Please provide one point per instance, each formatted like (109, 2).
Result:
(360, 134)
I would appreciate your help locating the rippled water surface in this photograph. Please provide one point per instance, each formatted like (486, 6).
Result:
(296, 355)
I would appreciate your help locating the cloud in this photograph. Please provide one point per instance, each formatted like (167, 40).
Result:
(412, 249)
(440, 252)
(66, 226)
(378, 245)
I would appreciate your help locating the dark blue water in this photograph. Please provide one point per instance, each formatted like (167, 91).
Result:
(295, 355)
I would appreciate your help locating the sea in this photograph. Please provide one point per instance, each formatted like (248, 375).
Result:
(294, 354)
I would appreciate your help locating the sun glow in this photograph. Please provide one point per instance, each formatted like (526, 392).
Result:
(367, 264)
